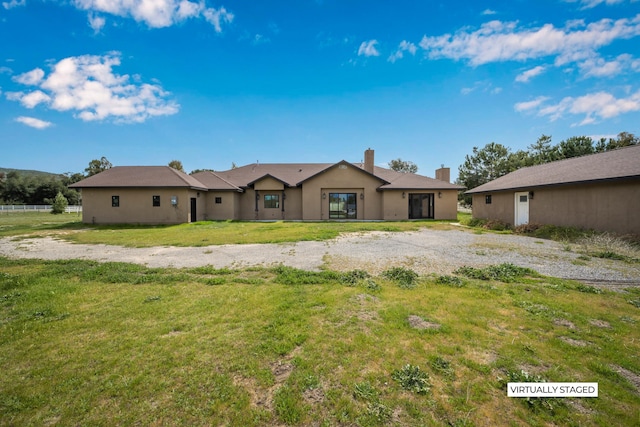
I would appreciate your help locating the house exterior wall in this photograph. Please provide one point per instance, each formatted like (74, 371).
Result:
(246, 205)
(396, 208)
(611, 206)
(502, 206)
(347, 179)
(226, 209)
(136, 206)
(446, 205)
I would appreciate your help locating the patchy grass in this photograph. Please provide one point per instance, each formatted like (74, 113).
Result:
(83, 343)
(203, 233)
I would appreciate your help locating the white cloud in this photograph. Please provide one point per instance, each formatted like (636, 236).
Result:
(404, 46)
(588, 4)
(6, 70)
(527, 75)
(155, 13)
(483, 86)
(87, 85)
(599, 67)
(96, 22)
(14, 3)
(489, 12)
(594, 106)
(33, 122)
(530, 105)
(498, 41)
(31, 78)
(368, 48)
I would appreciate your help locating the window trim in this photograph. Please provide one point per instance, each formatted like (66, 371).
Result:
(271, 201)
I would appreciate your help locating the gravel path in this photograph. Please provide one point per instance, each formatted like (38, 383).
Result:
(425, 251)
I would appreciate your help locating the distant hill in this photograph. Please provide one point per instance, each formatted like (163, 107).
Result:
(26, 172)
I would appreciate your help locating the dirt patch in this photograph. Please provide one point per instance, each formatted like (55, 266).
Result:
(417, 322)
(574, 342)
(564, 322)
(600, 323)
(314, 396)
(630, 376)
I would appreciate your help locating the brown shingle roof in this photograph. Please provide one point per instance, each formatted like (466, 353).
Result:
(615, 164)
(411, 181)
(294, 174)
(214, 181)
(140, 176)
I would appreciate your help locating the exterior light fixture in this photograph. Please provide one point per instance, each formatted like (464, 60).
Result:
(439, 194)
(404, 195)
(361, 196)
(530, 194)
(324, 195)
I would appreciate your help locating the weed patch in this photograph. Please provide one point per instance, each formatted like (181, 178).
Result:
(452, 281)
(506, 273)
(412, 378)
(404, 277)
(534, 403)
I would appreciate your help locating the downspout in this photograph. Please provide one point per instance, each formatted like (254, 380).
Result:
(257, 203)
(284, 197)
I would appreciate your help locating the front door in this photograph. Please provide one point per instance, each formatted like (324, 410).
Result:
(194, 216)
(421, 206)
(522, 209)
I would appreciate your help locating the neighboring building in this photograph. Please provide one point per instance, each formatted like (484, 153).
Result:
(599, 191)
(284, 191)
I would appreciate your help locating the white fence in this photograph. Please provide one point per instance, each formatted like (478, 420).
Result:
(36, 208)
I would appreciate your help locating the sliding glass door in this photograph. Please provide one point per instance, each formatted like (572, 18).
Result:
(343, 206)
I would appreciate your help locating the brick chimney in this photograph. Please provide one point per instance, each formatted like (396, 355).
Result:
(368, 160)
(443, 174)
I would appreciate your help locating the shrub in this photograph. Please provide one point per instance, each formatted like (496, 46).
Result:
(405, 277)
(59, 204)
(413, 379)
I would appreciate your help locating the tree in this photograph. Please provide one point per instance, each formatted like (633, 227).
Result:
(484, 165)
(59, 204)
(575, 146)
(624, 139)
(542, 151)
(97, 166)
(403, 166)
(177, 165)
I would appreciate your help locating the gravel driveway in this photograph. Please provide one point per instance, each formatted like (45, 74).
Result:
(425, 251)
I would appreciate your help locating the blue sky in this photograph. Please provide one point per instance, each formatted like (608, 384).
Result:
(209, 83)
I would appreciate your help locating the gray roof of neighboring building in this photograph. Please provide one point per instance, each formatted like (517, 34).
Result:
(622, 163)
(140, 176)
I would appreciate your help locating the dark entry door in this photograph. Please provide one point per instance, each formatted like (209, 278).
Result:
(421, 206)
(194, 216)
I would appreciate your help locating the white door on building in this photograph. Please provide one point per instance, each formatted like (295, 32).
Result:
(522, 209)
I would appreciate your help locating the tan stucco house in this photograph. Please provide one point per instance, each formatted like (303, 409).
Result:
(276, 191)
(598, 191)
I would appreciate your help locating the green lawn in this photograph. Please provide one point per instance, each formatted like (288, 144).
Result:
(83, 343)
(68, 226)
